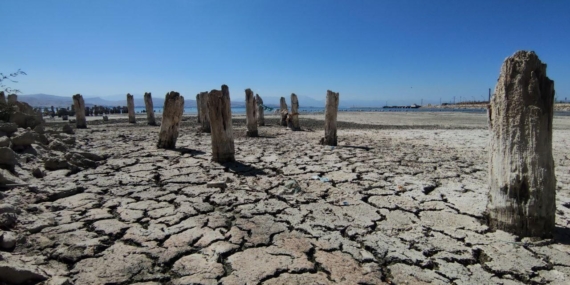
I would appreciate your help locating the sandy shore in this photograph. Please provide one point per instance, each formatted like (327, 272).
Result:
(404, 204)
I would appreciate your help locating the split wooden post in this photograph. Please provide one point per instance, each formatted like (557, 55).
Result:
(79, 107)
(295, 113)
(522, 197)
(149, 109)
(220, 112)
(171, 117)
(260, 109)
(331, 109)
(251, 113)
(131, 109)
(204, 112)
(198, 106)
(284, 111)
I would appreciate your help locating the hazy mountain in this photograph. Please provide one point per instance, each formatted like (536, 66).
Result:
(46, 100)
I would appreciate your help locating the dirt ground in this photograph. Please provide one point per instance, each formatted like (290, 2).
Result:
(400, 200)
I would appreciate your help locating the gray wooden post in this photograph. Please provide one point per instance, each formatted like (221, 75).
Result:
(131, 109)
(171, 117)
(331, 109)
(220, 112)
(204, 112)
(251, 113)
(284, 111)
(260, 109)
(198, 107)
(521, 168)
(149, 109)
(295, 113)
(79, 107)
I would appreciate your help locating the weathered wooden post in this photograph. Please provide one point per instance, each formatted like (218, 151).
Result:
(12, 99)
(131, 109)
(283, 111)
(250, 111)
(198, 106)
(220, 112)
(171, 117)
(521, 168)
(149, 109)
(260, 109)
(331, 108)
(2, 98)
(295, 113)
(204, 112)
(79, 107)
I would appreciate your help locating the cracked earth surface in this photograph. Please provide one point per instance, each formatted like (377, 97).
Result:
(399, 207)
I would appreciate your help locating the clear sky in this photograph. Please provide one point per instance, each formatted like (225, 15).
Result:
(395, 51)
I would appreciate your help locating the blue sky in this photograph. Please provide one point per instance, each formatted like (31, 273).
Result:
(395, 51)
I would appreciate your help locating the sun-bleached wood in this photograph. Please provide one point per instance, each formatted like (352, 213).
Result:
(522, 196)
(131, 109)
(220, 112)
(171, 117)
(198, 106)
(284, 111)
(79, 106)
(331, 109)
(204, 112)
(295, 113)
(149, 109)
(260, 109)
(251, 113)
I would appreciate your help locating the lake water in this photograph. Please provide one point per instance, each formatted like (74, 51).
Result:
(192, 111)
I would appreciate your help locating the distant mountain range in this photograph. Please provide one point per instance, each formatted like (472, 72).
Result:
(46, 100)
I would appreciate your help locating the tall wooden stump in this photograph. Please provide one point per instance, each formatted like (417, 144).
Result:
(198, 106)
(2, 98)
(12, 99)
(251, 113)
(260, 109)
(171, 117)
(131, 109)
(283, 111)
(204, 112)
(149, 109)
(521, 168)
(331, 108)
(220, 112)
(79, 107)
(295, 113)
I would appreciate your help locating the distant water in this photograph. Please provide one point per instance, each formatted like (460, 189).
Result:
(241, 110)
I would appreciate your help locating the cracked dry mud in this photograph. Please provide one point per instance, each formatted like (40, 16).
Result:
(401, 207)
